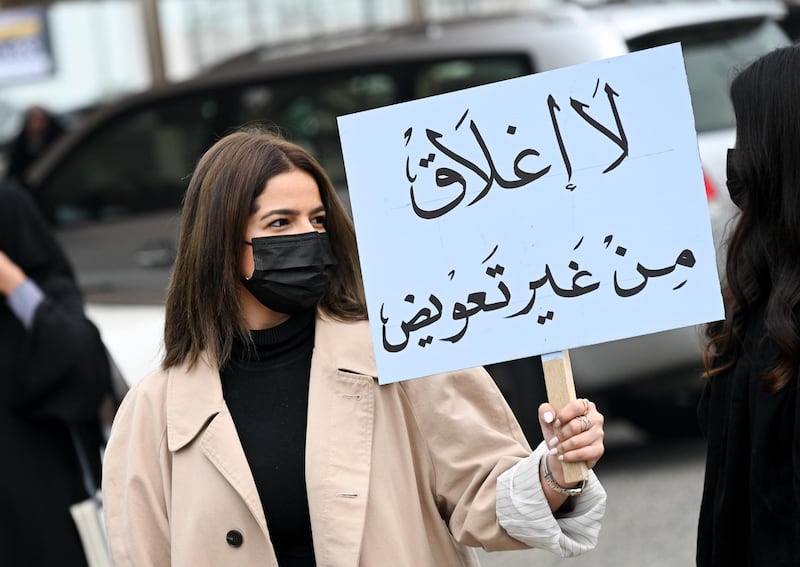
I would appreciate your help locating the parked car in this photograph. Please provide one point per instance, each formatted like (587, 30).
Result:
(113, 187)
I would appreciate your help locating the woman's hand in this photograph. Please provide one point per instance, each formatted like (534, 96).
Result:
(574, 434)
(11, 275)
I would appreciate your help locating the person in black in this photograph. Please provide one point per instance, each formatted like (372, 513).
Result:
(750, 510)
(40, 128)
(54, 375)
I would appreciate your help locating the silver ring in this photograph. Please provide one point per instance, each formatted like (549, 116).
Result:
(585, 406)
(586, 422)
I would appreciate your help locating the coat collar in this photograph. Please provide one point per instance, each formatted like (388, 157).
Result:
(194, 395)
(196, 409)
(346, 346)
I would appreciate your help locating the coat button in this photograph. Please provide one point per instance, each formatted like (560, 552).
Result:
(234, 538)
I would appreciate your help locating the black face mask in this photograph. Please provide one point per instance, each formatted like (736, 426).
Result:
(292, 272)
(735, 187)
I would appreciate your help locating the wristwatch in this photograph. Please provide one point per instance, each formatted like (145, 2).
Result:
(551, 482)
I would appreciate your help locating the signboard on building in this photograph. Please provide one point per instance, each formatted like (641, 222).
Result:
(25, 51)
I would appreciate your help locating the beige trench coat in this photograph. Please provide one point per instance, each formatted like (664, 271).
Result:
(402, 474)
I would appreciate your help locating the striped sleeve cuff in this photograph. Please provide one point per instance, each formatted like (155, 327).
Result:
(24, 300)
(524, 513)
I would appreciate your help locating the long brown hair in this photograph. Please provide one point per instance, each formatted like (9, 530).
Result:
(203, 311)
(763, 262)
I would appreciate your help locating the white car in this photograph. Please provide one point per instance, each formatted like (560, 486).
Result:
(113, 186)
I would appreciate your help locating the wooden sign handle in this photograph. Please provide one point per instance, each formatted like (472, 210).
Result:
(561, 391)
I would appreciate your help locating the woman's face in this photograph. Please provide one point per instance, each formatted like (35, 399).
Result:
(36, 122)
(289, 204)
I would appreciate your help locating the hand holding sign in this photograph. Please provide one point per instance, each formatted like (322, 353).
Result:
(560, 392)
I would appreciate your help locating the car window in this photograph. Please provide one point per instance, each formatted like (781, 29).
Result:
(446, 76)
(305, 109)
(139, 162)
(713, 54)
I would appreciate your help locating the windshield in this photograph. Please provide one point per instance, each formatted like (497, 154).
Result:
(713, 54)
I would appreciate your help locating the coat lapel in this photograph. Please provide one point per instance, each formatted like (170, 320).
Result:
(221, 445)
(341, 414)
(196, 409)
(339, 436)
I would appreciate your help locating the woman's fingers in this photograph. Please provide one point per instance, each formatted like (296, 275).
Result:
(547, 418)
(547, 415)
(581, 406)
(577, 433)
(587, 446)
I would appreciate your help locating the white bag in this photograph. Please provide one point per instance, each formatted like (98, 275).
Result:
(88, 517)
(88, 514)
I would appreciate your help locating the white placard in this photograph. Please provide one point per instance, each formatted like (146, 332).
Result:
(532, 215)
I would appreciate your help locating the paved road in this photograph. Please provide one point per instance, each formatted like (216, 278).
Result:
(653, 499)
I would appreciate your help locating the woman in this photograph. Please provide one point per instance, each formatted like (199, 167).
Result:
(265, 438)
(40, 128)
(54, 376)
(750, 512)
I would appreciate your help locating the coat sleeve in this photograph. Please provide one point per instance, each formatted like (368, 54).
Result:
(472, 438)
(523, 511)
(61, 369)
(68, 374)
(136, 472)
(482, 461)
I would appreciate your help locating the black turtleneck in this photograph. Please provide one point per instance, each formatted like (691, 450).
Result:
(265, 386)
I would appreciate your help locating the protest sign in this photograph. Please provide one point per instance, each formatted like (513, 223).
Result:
(532, 215)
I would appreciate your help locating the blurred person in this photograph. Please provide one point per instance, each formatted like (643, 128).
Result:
(55, 374)
(264, 438)
(750, 511)
(40, 128)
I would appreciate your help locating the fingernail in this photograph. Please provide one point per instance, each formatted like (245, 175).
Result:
(552, 451)
(561, 457)
(557, 423)
(548, 417)
(553, 442)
